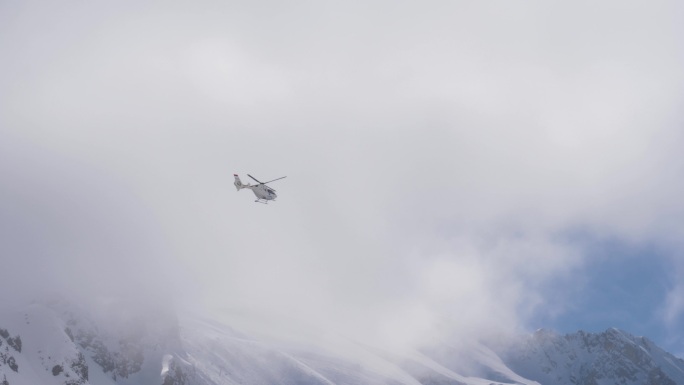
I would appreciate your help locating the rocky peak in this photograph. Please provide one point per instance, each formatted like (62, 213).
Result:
(610, 357)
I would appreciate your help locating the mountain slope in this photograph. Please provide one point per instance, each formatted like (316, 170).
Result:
(120, 344)
(611, 357)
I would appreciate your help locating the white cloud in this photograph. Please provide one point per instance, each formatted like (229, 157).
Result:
(435, 153)
(674, 305)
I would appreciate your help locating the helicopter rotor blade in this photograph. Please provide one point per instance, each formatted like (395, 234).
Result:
(254, 179)
(275, 179)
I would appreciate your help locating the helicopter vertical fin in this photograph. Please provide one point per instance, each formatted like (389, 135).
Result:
(238, 182)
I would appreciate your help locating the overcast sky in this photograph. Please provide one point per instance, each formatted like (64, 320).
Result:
(468, 166)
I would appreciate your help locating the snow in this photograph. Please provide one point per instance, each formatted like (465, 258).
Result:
(57, 340)
(610, 357)
(44, 346)
(165, 364)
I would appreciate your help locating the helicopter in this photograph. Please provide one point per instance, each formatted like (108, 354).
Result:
(263, 193)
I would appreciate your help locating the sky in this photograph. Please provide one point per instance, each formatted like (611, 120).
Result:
(452, 167)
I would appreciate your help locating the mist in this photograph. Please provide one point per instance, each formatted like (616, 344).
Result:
(446, 163)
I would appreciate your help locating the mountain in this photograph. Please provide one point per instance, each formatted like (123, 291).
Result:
(611, 357)
(120, 344)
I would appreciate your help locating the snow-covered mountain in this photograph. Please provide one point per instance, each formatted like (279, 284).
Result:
(59, 344)
(611, 357)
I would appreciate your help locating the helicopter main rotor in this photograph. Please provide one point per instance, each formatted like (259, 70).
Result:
(256, 180)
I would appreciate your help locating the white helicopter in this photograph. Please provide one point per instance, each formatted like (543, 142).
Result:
(262, 192)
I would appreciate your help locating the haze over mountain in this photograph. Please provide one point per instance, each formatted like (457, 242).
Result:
(454, 170)
(58, 343)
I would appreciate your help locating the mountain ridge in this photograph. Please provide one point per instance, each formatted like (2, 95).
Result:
(59, 344)
(594, 358)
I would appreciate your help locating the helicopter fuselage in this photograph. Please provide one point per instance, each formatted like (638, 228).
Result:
(262, 192)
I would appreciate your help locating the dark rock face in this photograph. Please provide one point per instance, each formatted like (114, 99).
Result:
(12, 363)
(121, 363)
(15, 343)
(5, 357)
(69, 334)
(57, 369)
(175, 376)
(80, 367)
(122, 341)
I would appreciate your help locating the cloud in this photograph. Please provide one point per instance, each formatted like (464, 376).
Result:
(436, 154)
(71, 229)
(674, 305)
